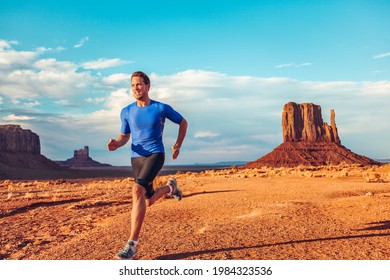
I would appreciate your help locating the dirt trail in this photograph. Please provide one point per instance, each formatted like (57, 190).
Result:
(220, 217)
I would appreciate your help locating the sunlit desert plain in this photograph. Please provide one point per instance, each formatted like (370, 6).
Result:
(305, 213)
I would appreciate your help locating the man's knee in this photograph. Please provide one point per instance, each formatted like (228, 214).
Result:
(147, 185)
(138, 191)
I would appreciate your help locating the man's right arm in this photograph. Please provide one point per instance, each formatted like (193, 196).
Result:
(115, 144)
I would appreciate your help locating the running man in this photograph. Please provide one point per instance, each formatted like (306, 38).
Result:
(144, 121)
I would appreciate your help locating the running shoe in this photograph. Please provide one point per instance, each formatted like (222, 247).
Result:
(129, 252)
(176, 193)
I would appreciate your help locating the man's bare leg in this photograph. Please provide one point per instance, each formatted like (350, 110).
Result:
(138, 211)
(139, 207)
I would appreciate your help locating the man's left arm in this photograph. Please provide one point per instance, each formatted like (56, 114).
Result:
(180, 138)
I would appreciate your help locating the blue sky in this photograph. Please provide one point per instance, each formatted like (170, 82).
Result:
(227, 66)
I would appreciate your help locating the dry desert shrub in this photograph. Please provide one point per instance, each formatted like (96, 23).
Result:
(11, 188)
(384, 171)
(28, 195)
(6, 183)
(374, 178)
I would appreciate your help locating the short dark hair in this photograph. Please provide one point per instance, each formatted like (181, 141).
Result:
(142, 75)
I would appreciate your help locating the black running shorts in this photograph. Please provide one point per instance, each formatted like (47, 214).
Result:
(146, 169)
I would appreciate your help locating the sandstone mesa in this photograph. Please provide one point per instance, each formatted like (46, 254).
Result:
(308, 140)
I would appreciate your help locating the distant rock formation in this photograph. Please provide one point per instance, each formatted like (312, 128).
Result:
(81, 158)
(14, 139)
(303, 123)
(21, 148)
(308, 140)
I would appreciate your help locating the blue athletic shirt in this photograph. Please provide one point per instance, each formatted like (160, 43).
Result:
(146, 125)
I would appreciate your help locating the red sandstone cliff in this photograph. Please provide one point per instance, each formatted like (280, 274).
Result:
(303, 123)
(14, 139)
(308, 140)
(21, 148)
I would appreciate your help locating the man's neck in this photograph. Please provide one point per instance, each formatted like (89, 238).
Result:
(143, 103)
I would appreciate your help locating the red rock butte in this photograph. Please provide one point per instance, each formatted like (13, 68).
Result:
(309, 141)
(21, 148)
(81, 158)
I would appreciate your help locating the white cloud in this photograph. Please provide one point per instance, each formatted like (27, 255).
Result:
(81, 42)
(95, 100)
(303, 64)
(53, 65)
(7, 44)
(205, 134)
(32, 104)
(375, 88)
(290, 65)
(28, 77)
(118, 99)
(103, 63)
(14, 117)
(286, 65)
(13, 59)
(116, 79)
(107, 119)
(350, 87)
(45, 50)
(63, 102)
(187, 85)
(382, 55)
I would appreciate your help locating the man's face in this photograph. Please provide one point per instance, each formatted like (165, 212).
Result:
(139, 88)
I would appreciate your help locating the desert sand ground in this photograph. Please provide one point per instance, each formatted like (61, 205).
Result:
(321, 213)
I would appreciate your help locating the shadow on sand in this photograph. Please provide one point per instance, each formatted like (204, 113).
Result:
(37, 205)
(208, 192)
(382, 225)
(186, 255)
